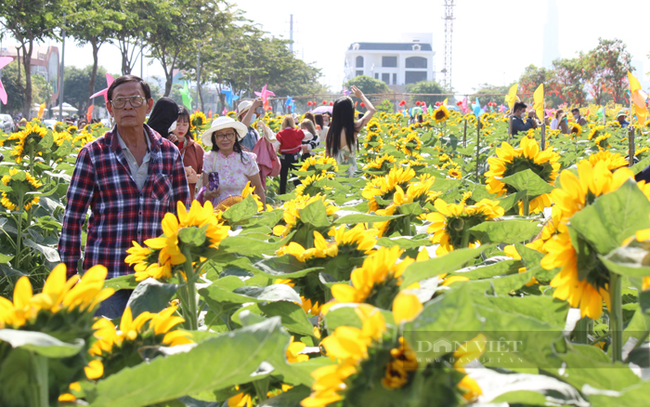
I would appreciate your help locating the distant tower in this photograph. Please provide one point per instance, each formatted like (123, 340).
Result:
(449, 30)
(551, 50)
(291, 32)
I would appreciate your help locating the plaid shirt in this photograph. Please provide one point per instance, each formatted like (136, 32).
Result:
(121, 213)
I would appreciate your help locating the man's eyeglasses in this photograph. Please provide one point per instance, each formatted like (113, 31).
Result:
(224, 136)
(134, 101)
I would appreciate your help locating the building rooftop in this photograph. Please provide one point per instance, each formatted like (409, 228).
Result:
(389, 46)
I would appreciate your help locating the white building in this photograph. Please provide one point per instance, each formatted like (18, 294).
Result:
(396, 64)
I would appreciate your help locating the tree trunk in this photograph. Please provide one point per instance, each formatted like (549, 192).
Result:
(93, 73)
(27, 58)
(201, 97)
(168, 84)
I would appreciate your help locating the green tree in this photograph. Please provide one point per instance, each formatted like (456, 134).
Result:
(28, 22)
(493, 93)
(76, 82)
(91, 22)
(531, 79)
(605, 69)
(368, 85)
(424, 87)
(14, 85)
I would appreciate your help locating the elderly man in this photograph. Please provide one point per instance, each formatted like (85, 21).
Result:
(130, 177)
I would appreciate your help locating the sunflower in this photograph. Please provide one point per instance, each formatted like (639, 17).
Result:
(320, 164)
(641, 151)
(455, 173)
(452, 223)
(583, 284)
(20, 182)
(309, 187)
(613, 160)
(358, 240)
(197, 120)
(321, 249)
(380, 164)
(602, 141)
(373, 141)
(384, 187)
(594, 132)
(441, 114)
(292, 209)
(409, 144)
(403, 361)
(576, 130)
(510, 161)
(159, 262)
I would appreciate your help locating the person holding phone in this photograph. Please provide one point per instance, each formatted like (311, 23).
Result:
(234, 166)
(249, 112)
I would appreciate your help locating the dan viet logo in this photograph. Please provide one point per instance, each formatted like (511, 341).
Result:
(485, 351)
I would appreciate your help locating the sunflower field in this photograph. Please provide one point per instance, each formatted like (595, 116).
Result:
(458, 266)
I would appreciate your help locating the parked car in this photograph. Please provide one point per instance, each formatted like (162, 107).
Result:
(7, 123)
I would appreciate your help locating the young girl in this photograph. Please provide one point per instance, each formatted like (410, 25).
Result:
(191, 151)
(311, 139)
(341, 142)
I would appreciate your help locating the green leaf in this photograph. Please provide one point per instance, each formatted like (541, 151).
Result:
(252, 247)
(447, 263)
(298, 373)
(285, 266)
(507, 231)
(510, 201)
(492, 267)
(50, 253)
(527, 389)
(632, 260)
(41, 343)
(364, 218)
(218, 297)
(613, 217)
(450, 317)
(241, 211)
(151, 295)
(122, 282)
(315, 214)
(293, 316)
(403, 242)
(193, 236)
(528, 181)
(291, 398)
(216, 363)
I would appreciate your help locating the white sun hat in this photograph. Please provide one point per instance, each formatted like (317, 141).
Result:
(220, 123)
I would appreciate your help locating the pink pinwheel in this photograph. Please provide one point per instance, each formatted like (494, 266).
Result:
(109, 81)
(3, 93)
(264, 94)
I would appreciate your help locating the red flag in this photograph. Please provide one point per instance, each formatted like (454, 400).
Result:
(89, 113)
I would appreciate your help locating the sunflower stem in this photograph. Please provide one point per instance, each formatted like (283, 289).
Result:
(40, 387)
(18, 217)
(616, 317)
(465, 242)
(190, 312)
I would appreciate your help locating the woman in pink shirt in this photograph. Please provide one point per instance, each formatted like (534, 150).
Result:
(290, 139)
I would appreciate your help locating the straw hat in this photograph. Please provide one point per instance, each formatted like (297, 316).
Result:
(244, 106)
(220, 123)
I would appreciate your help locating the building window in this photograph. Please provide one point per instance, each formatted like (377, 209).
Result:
(359, 62)
(394, 79)
(376, 75)
(389, 62)
(415, 77)
(359, 73)
(416, 47)
(385, 77)
(416, 62)
(355, 47)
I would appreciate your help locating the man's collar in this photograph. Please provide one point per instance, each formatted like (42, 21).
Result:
(153, 139)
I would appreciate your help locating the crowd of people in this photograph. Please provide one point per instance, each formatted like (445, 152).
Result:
(139, 170)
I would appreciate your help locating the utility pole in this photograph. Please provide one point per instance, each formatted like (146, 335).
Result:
(291, 32)
(61, 73)
(449, 29)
